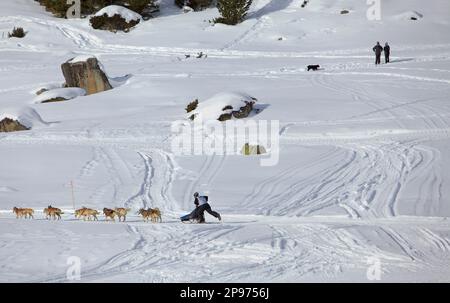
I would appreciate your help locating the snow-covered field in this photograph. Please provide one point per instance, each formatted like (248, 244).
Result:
(364, 150)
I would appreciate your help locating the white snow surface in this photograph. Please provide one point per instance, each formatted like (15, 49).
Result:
(364, 149)
(66, 93)
(124, 12)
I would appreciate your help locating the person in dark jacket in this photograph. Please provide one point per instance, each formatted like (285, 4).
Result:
(387, 52)
(378, 49)
(202, 205)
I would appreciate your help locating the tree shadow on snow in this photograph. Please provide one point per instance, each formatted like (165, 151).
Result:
(271, 7)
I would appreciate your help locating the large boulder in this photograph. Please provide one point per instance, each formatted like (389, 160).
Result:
(9, 125)
(85, 72)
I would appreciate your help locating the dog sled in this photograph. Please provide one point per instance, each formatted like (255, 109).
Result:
(188, 220)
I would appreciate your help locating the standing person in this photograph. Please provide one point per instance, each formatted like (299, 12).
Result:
(387, 52)
(378, 49)
(202, 205)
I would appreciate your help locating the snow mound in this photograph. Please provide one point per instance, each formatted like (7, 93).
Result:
(409, 15)
(44, 88)
(112, 10)
(221, 103)
(60, 93)
(26, 116)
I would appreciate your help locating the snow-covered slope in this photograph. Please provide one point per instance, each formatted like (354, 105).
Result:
(364, 150)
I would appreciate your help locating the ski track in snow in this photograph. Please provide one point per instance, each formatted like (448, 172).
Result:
(382, 168)
(303, 249)
(260, 23)
(159, 173)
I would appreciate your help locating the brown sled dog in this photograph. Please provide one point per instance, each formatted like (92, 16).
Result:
(79, 212)
(145, 213)
(52, 212)
(23, 213)
(109, 213)
(121, 213)
(153, 214)
(156, 215)
(92, 213)
(87, 213)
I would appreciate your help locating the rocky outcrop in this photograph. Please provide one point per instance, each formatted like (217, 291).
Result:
(242, 113)
(113, 24)
(192, 106)
(87, 74)
(9, 125)
(57, 99)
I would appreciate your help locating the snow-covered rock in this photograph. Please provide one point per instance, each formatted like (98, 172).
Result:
(124, 12)
(115, 18)
(60, 94)
(224, 106)
(26, 116)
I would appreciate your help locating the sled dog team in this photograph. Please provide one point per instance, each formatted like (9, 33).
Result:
(153, 214)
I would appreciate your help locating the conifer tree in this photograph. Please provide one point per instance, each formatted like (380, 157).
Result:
(232, 11)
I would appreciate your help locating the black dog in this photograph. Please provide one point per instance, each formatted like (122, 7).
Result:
(313, 67)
